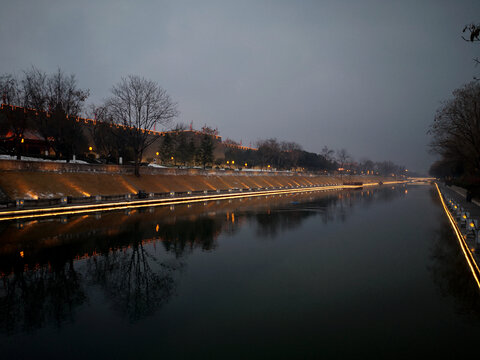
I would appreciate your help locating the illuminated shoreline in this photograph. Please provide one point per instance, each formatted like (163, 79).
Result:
(472, 264)
(134, 204)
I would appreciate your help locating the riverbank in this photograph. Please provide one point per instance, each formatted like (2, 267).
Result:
(35, 180)
(464, 217)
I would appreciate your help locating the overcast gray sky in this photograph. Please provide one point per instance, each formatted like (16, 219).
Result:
(363, 75)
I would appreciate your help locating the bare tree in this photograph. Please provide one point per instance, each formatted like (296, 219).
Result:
(139, 105)
(474, 30)
(63, 93)
(34, 89)
(269, 152)
(10, 90)
(291, 151)
(456, 128)
(343, 157)
(13, 122)
(59, 95)
(327, 153)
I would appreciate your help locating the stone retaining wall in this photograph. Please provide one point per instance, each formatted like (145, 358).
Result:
(58, 167)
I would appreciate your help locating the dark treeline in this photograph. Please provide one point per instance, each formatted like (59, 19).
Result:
(455, 131)
(118, 132)
(274, 154)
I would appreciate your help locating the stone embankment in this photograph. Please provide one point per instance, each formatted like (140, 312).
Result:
(48, 180)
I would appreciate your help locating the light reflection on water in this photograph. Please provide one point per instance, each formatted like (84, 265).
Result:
(284, 276)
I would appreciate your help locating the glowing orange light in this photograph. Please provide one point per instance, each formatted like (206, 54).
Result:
(156, 228)
(157, 153)
(245, 164)
(22, 141)
(90, 148)
(21, 254)
(83, 209)
(463, 245)
(31, 195)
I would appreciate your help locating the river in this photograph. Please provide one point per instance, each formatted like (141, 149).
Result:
(373, 272)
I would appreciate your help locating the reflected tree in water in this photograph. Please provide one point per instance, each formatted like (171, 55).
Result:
(186, 235)
(134, 280)
(29, 299)
(273, 221)
(451, 274)
(335, 206)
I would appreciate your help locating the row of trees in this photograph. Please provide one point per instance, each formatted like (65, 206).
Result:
(456, 133)
(178, 149)
(455, 130)
(272, 153)
(134, 106)
(56, 93)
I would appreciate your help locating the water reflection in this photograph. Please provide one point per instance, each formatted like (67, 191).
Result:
(451, 274)
(30, 299)
(47, 267)
(134, 281)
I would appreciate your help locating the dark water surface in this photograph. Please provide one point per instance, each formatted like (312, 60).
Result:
(374, 273)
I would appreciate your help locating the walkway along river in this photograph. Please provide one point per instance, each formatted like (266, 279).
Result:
(369, 272)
